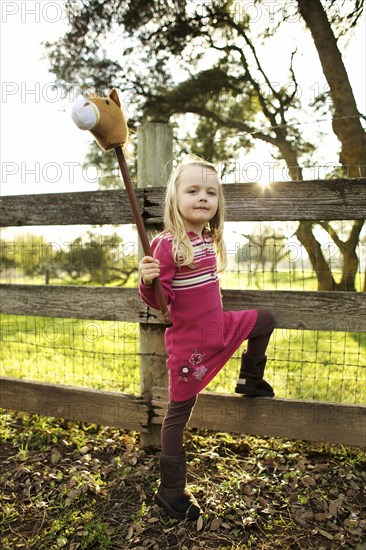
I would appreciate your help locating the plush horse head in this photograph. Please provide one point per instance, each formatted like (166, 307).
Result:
(103, 116)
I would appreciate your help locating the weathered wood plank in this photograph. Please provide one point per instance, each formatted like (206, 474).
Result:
(279, 201)
(80, 404)
(104, 303)
(82, 208)
(338, 311)
(296, 200)
(307, 420)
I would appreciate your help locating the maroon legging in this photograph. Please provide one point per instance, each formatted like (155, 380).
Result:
(179, 412)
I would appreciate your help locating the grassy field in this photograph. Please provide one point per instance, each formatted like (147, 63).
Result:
(236, 276)
(98, 354)
(326, 366)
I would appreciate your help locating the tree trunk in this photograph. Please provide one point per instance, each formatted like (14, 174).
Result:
(350, 266)
(304, 232)
(319, 263)
(350, 258)
(346, 119)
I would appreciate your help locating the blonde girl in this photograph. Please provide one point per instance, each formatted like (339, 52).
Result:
(186, 257)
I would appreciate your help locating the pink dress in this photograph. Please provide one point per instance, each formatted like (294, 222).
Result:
(203, 337)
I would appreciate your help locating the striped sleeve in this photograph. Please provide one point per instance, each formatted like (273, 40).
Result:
(162, 250)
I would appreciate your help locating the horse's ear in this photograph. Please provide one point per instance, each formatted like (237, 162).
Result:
(114, 96)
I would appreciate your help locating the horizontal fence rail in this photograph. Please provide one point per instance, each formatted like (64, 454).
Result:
(338, 311)
(81, 404)
(79, 208)
(308, 420)
(280, 201)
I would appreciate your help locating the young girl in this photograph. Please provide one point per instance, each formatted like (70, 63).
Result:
(202, 337)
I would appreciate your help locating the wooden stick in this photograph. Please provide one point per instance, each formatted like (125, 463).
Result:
(142, 231)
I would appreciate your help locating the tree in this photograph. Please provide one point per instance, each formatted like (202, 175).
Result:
(347, 127)
(224, 82)
(346, 116)
(107, 166)
(101, 259)
(32, 255)
(7, 253)
(263, 246)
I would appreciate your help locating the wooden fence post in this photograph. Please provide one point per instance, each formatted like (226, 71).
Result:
(154, 164)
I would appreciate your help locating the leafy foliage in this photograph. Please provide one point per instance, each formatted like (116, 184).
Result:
(220, 77)
(89, 259)
(32, 253)
(207, 60)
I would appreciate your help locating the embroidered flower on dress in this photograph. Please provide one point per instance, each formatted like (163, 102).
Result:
(200, 372)
(184, 372)
(196, 357)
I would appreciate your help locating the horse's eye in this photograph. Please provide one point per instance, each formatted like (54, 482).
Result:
(106, 101)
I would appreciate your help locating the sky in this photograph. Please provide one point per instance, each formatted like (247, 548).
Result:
(42, 151)
(40, 148)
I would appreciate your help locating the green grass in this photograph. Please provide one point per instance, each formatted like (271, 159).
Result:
(240, 278)
(104, 355)
(279, 280)
(97, 354)
(309, 365)
(328, 366)
(306, 280)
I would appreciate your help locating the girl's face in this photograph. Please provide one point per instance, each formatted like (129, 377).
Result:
(197, 196)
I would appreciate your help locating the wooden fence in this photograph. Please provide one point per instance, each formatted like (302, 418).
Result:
(335, 311)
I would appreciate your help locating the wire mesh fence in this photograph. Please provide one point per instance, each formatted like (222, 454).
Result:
(328, 366)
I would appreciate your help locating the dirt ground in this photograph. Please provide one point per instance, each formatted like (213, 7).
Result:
(77, 486)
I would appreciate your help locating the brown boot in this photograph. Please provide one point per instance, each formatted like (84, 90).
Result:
(250, 380)
(172, 494)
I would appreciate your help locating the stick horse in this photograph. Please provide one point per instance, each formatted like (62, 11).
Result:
(104, 118)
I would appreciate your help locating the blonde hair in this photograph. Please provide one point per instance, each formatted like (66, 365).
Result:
(173, 222)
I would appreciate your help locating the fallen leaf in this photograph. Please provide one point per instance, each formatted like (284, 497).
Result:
(55, 457)
(334, 507)
(199, 523)
(84, 450)
(302, 464)
(325, 534)
(152, 520)
(248, 521)
(308, 480)
(215, 524)
(320, 516)
(322, 467)
(168, 529)
(138, 528)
